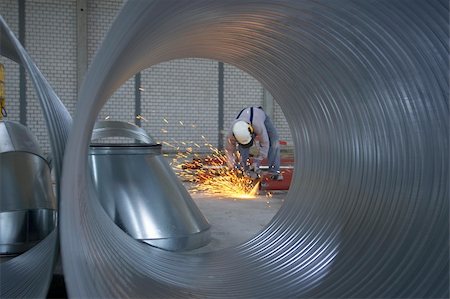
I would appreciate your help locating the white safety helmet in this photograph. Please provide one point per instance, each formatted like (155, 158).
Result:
(243, 132)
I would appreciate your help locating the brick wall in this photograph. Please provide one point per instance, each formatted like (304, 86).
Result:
(282, 126)
(50, 40)
(99, 18)
(240, 90)
(180, 102)
(179, 99)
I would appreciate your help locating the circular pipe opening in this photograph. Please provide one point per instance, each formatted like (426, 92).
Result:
(362, 135)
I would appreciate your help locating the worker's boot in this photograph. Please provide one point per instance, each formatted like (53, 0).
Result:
(276, 176)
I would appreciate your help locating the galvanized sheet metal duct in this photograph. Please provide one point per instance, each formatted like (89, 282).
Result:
(29, 274)
(140, 191)
(27, 203)
(364, 87)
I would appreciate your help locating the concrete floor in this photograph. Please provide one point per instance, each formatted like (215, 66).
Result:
(234, 221)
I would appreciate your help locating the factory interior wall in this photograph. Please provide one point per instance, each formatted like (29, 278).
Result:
(179, 99)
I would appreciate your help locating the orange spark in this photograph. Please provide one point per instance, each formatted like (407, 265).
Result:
(210, 174)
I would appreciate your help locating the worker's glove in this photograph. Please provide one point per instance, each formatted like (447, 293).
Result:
(237, 166)
(255, 167)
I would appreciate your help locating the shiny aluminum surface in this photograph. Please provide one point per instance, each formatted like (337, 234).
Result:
(16, 137)
(21, 230)
(25, 182)
(113, 128)
(364, 88)
(140, 192)
(29, 274)
(27, 203)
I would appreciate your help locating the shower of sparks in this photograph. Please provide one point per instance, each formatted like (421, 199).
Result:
(209, 173)
(215, 178)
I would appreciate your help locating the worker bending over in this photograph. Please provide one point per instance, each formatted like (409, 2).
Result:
(251, 123)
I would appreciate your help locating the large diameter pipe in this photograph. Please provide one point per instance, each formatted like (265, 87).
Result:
(364, 88)
(29, 274)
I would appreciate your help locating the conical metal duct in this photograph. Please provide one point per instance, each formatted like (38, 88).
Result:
(141, 193)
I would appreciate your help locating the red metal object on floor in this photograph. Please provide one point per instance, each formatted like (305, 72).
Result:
(268, 184)
(287, 164)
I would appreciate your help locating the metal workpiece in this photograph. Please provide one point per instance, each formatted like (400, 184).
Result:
(16, 137)
(25, 182)
(128, 149)
(140, 192)
(364, 88)
(28, 275)
(113, 128)
(27, 204)
(23, 229)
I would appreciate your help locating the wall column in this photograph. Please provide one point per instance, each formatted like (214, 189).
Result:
(137, 99)
(22, 73)
(82, 57)
(221, 105)
(267, 103)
